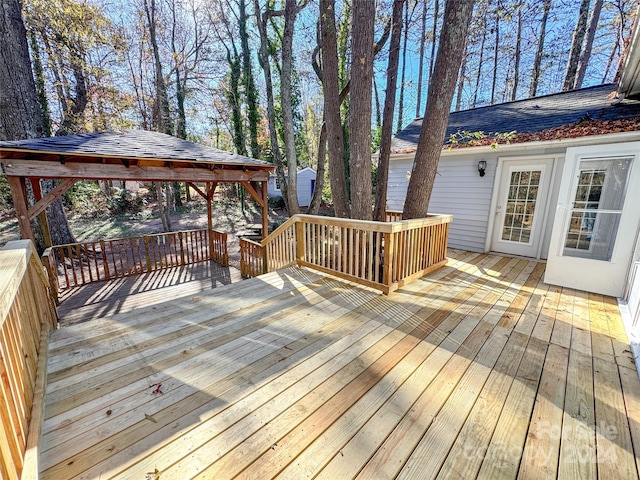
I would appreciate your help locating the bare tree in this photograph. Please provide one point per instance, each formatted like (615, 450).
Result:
(516, 66)
(585, 56)
(335, 138)
(576, 46)
(162, 111)
(423, 41)
(362, 56)
(496, 56)
(290, 14)
(263, 59)
(389, 105)
(537, 62)
(457, 16)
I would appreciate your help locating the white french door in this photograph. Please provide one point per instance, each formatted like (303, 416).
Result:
(520, 206)
(596, 220)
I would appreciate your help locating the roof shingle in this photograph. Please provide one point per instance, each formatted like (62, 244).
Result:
(530, 115)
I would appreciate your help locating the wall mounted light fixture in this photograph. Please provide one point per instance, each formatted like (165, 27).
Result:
(482, 166)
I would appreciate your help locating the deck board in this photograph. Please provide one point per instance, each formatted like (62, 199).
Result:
(479, 370)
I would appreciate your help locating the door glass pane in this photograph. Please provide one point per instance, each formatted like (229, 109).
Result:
(520, 206)
(597, 208)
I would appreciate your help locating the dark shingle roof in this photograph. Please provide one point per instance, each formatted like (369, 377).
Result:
(132, 144)
(531, 115)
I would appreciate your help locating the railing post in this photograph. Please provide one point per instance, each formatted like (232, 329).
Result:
(389, 245)
(181, 248)
(104, 260)
(147, 256)
(300, 247)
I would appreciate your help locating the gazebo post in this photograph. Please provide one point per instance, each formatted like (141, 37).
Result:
(44, 221)
(265, 210)
(19, 194)
(211, 188)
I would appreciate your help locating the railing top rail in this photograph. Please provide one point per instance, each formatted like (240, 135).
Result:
(14, 261)
(289, 222)
(253, 242)
(432, 219)
(135, 236)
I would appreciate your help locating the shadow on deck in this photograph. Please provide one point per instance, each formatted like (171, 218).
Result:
(102, 299)
(479, 370)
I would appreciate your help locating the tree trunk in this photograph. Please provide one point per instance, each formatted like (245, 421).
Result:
(163, 112)
(461, 76)
(576, 46)
(516, 67)
(250, 90)
(404, 70)
(335, 138)
(316, 199)
(434, 35)
(423, 41)
(457, 16)
(360, 108)
(389, 106)
(20, 112)
(263, 59)
(588, 43)
(38, 71)
(537, 63)
(290, 13)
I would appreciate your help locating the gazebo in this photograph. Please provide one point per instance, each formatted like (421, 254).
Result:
(128, 155)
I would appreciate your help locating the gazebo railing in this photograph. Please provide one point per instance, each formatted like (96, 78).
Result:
(77, 264)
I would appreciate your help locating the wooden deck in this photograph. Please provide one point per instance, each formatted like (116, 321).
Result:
(479, 370)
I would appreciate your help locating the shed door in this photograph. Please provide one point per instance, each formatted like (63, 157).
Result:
(596, 220)
(521, 205)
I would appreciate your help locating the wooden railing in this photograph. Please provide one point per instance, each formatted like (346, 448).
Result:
(252, 259)
(86, 262)
(27, 315)
(382, 255)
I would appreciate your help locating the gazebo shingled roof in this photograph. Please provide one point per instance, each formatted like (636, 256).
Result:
(127, 155)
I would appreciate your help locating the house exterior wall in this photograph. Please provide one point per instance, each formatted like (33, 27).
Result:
(458, 190)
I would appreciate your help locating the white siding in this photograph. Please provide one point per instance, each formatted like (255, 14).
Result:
(458, 190)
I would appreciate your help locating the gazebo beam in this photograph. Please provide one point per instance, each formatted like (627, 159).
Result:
(93, 171)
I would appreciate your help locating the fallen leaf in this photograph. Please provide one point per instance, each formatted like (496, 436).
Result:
(150, 418)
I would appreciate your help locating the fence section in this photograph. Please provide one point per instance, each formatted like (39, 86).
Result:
(27, 313)
(86, 262)
(383, 255)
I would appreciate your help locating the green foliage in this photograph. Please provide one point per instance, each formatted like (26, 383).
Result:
(276, 202)
(85, 197)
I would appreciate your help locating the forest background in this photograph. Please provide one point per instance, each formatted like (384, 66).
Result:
(250, 76)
